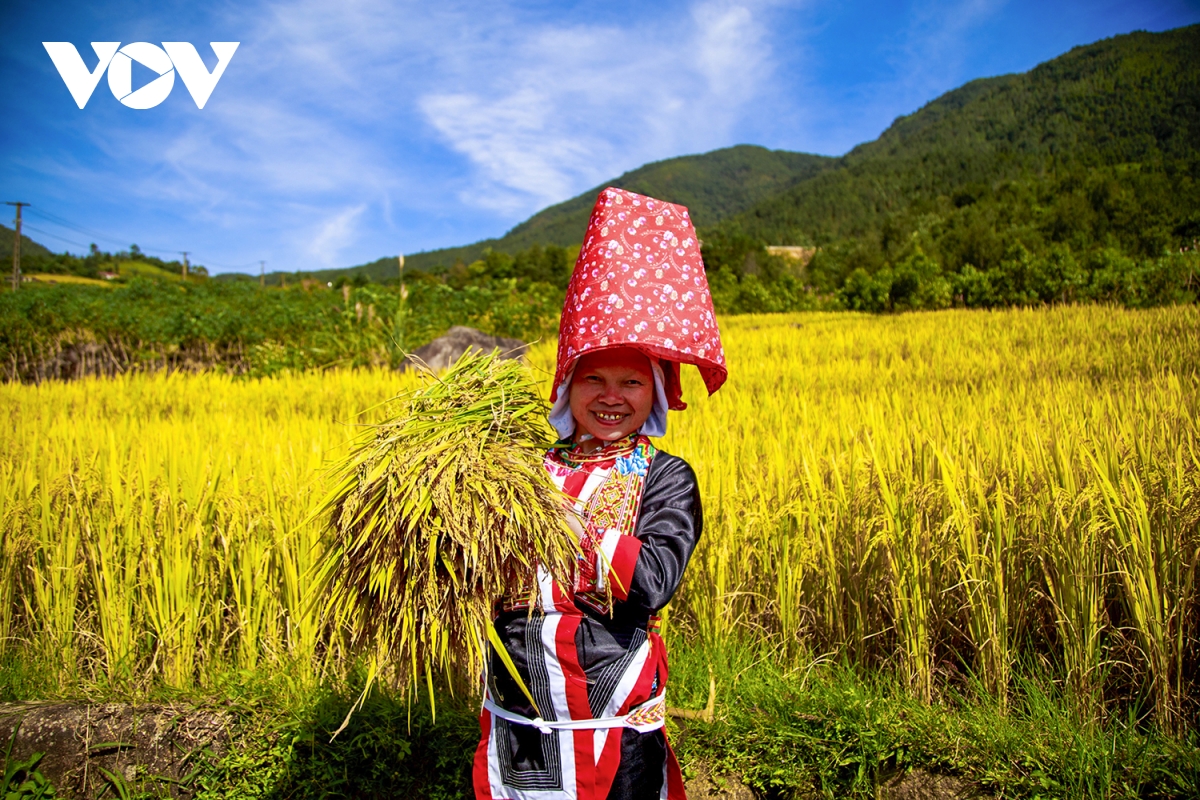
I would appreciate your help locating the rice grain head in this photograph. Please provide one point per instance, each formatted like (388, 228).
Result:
(438, 512)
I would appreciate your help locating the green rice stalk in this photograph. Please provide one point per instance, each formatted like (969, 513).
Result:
(437, 513)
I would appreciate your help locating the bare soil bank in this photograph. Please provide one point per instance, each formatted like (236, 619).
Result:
(154, 747)
(90, 749)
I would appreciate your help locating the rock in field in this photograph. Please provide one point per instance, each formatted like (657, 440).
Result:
(445, 350)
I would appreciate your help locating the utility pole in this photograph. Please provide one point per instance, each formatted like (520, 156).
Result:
(398, 322)
(16, 276)
(403, 289)
(262, 274)
(184, 253)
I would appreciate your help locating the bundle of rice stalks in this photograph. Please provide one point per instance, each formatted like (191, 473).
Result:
(438, 512)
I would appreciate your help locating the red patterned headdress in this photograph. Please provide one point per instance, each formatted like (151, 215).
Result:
(639, 282)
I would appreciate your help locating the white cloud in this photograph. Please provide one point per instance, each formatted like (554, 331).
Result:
(514, 141)
(730, 47)
(574, 105)
(329, 115)
(334, 234)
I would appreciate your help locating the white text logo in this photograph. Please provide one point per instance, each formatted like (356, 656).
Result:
(172, 57)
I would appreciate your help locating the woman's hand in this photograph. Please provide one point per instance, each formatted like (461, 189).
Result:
(575, 524)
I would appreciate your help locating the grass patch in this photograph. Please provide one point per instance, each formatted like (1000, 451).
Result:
(789, 727)
(796, 727)
(132, 268)
(392, 747)
(46, 277)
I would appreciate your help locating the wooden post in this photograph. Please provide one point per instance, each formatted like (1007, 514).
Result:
(185, 263)
(398, 322)
(16, 274)
(403, 290)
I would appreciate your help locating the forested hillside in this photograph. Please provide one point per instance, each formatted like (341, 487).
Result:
(29, 248)
(1071, 181)
(712, 185)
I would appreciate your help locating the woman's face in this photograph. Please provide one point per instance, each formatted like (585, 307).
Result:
(612, 393)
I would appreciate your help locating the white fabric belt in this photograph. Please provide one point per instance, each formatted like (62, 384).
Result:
(649, 716)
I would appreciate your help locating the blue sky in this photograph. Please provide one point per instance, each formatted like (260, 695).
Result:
(349, 130)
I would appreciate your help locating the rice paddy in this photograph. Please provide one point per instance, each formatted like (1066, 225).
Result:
(947, 497)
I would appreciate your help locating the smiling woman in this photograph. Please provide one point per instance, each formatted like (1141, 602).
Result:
(611, 395)
(586, 718)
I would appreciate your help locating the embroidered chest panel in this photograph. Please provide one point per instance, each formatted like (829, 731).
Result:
(607, 495)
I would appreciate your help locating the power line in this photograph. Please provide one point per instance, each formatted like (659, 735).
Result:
(29, 227)
(65, 223)
(205, 263)
(57, 220)
(65, 239)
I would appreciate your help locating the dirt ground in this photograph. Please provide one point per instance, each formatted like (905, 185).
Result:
(107, 748)
(915, 785)
(707, 786)
(90, 747)
(922, 785)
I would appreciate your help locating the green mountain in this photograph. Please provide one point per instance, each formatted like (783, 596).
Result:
(29, 248)
(1092, 155)
(1132, 99)
(713, 186)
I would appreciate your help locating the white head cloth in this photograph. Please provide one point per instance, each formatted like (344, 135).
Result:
(655, 424)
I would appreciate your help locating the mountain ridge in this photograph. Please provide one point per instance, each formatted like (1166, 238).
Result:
(712, 185)
(1061, 110)
(1129, 99)
(28, 247)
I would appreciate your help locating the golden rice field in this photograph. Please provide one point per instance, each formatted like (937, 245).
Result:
(949, 495)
